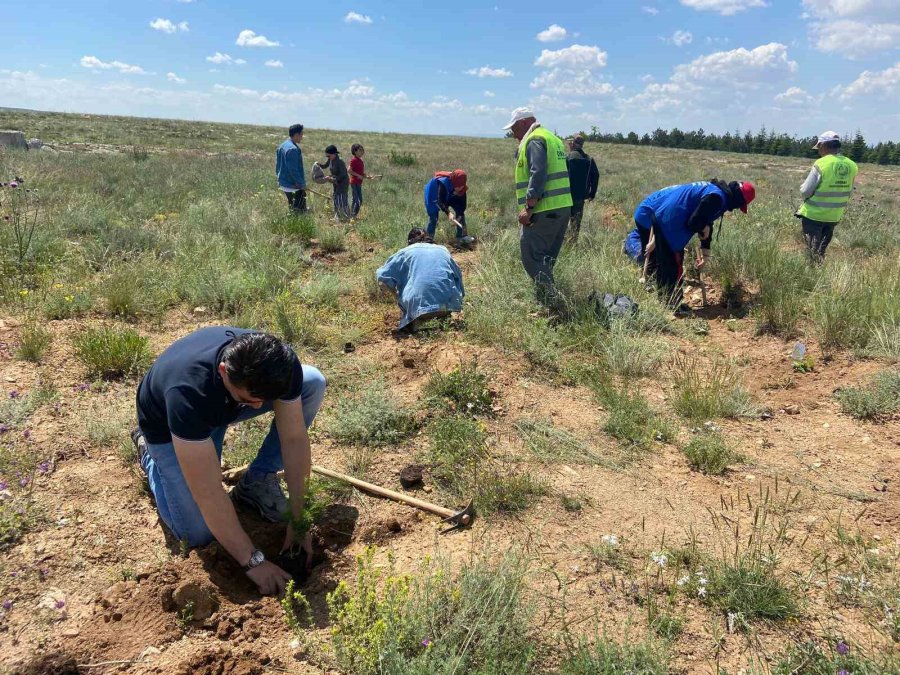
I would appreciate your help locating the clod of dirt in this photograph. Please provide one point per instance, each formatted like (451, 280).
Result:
(55, 663)
(221, 661)
(334, 528)
(411, 476)
(792, 409)
(199, 601)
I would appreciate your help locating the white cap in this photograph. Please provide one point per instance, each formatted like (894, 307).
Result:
(827, 137)
(519, 114)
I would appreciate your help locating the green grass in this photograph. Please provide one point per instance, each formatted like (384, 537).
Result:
(709, 453)
(632, 421)
(551, 445)
(464, 389)
(607, 657)
(812, 658)
(705, 392)
(112, 352)
(372, 417)
(878, 399)
(34, 342)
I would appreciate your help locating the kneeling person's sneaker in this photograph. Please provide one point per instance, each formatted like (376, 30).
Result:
(140, 445)
(265, 495)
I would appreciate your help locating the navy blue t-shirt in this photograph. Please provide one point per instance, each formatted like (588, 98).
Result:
(183, 394)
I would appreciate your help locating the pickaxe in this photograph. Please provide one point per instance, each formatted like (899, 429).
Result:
(457, 519)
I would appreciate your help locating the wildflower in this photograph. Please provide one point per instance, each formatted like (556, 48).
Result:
(701, 592)
(26, 434)
(842, 648)
(683, 580)
(44, 466)
(4, 428)
(7, 605)
(69, 298)
(59, 604)
(610, 539)
(23, 482)
(659, 558)
(13, 184)
(23, 292)
(82, 387)
(843, 672)
(426, 643)
(57, 285)
(14, 394)
(3, 485)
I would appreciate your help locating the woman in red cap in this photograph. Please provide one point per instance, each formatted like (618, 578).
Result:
(445, 191)
(668, 219)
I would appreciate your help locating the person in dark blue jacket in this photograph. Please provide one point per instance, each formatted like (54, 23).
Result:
(668, 219)
(445, 191)
(289, 169)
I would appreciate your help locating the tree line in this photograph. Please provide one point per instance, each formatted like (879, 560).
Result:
(763, 142)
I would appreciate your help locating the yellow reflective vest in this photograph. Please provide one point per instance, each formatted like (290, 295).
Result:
(830, 199)
(556, 190)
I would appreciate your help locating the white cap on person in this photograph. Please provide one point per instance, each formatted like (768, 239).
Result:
(827, 137)
(519, 114)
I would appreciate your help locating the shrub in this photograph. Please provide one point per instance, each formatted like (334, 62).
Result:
(885, 340)
(442, 621)
(606, 657)
(67, 304)
(299, 226)
(500, 490)
(34, 342)
(112, 352)
(709, 453)
(402, 158)
(880, 398)
(464, 390)
(631, 420)
(608, 552)
(373, 417)
(706, 392)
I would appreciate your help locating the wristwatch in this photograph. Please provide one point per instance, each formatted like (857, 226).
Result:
(256, 559)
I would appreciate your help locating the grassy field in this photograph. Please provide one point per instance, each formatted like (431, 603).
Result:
(656, 495)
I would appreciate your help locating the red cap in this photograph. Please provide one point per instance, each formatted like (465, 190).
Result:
(458, 180)
(749, 193)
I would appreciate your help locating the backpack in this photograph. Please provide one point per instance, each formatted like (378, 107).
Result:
(609, 307)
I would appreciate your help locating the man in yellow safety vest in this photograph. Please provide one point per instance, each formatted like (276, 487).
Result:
(542, 191)
(825, 192)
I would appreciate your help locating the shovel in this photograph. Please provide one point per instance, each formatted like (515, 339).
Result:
(456, 519)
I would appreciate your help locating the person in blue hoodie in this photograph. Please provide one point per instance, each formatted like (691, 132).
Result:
(446, 190)
(289, 169)
(425, 279)
(668, 219)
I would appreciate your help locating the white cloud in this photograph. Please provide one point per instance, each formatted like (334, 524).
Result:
(172, 77)
(854, 28)
(186, 2)
(794, 96)
(487, 71)
(356, 17)
(647, 78)
(489, 94)
(760, 64)
(723, 7)
(163, 25)
(94, 62)
(680, 38)
(247, 38)
(554, 33)
(652, 11)
(884, 83)
(572, 83)
(224, 60)
(274, 63)
(183, 26)
(576, 56)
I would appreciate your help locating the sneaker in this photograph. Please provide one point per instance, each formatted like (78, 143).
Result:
(266, 495)
(139, 444)
(468, 240)
(683, 310)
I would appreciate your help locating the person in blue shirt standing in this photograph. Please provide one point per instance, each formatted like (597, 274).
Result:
(425, 279)
(668, 219)
(289, 169)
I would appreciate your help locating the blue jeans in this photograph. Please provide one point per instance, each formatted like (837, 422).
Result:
(433, 220)
(176, 506)
(356, 189)
(339, 198)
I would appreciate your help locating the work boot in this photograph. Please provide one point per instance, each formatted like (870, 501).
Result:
(140, 445)
(265, 495)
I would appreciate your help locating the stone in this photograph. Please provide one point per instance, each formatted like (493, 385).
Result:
(13, 139)
(35, 144)
(411, 476)
(792, 409)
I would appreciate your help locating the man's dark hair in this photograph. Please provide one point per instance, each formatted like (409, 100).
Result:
(418, 236)
(832, 145)
(295, 129)
(355, 147)
(261, 364)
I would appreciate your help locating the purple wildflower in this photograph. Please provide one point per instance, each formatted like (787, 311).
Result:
(843, 672)
(3, 485)
(82, 387)
(13, 184)
(4, 428)
(7, 605)
(60, 603)
(44, 466)
(23, 482)
(14, 394)
(426, 642)
(27, 434)
(842, 648)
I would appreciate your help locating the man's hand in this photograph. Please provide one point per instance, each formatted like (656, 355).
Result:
(306, 545)
(705, 232)
(702, 259)
(525, 217)
(330, 179)
(269, 578)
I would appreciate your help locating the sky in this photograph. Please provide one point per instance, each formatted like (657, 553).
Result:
(460, 67)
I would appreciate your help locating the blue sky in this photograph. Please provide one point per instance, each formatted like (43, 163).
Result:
(799, 66)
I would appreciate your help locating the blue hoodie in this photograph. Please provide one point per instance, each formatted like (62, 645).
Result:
(672, 207)
(289, 166)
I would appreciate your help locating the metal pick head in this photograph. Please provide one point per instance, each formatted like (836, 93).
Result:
(461, 519)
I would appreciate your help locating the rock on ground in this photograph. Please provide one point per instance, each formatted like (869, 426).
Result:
(13, 139)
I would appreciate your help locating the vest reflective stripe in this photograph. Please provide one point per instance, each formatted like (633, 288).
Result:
(556, 193)
(830, 200)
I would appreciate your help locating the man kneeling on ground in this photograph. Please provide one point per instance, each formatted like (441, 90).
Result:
(425, 279)
(202, 383)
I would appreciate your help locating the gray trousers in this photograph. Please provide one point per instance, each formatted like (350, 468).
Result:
(539, 245)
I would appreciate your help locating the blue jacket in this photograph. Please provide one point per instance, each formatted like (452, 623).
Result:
(432, 188)
(426, 279)
(289, 166)
(673, 206)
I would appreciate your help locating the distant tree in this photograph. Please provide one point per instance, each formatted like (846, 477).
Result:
(632, 138)
(857, 151)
